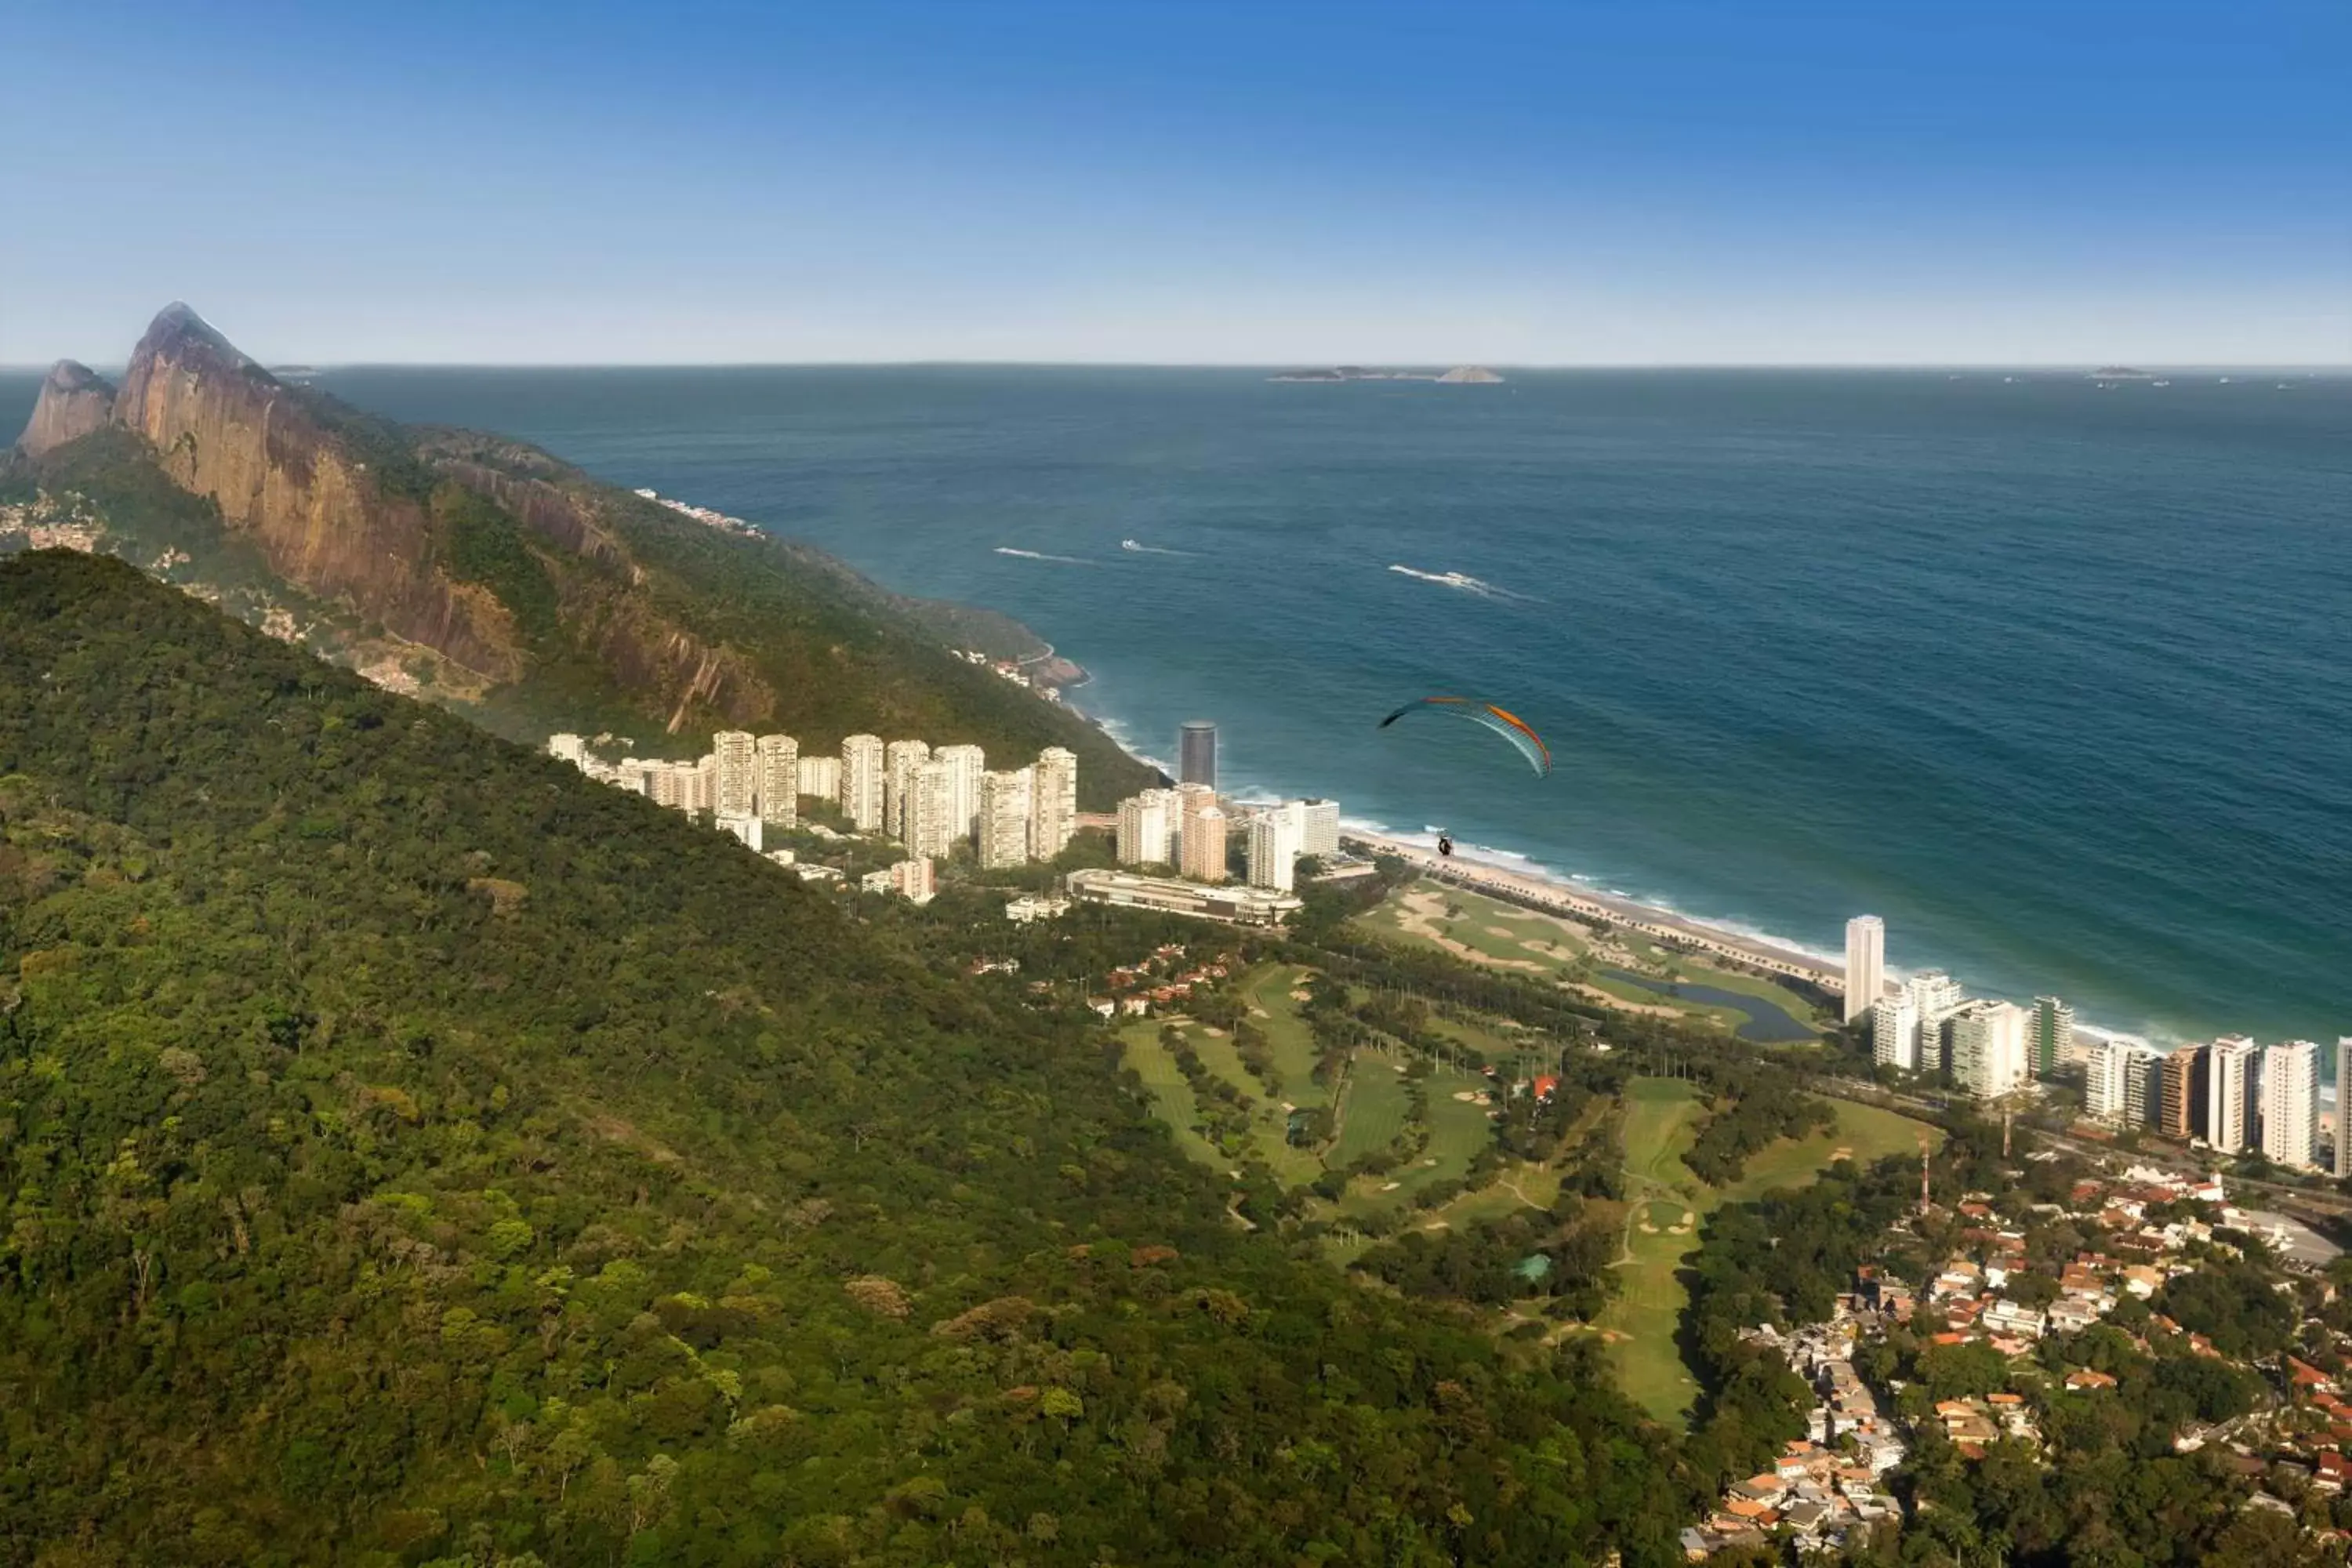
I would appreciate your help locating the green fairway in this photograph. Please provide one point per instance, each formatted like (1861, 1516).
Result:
(1171, 1096)
(1669, 1203)
(1377, 1109)
(1266, 993)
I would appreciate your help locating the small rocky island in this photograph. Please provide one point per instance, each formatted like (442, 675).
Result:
(1460, 375)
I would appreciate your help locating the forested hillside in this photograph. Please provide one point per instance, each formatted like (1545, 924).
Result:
(414, 1151)
(509, 585)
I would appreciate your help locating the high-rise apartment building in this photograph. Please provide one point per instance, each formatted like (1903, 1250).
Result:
(820, 778)
(567, 748)
(1988, 1046)
(2230, 1109)
(735, 757)
(863, 763)
(1145, 824)
(1275, 836)
(965, 763)
(1191, 799)
(780, 784)
(2342, 1143)
(2053, 1033)
(702, 784)
(1865, 964)
(1205, 844)
(1318, 828)
(1910, 1036)
(1004, 831)
(2181, 1099)
(1054, 803)
(1894, 1032)
(1196, 752)
(900, 761)
(2123, 1083)
(2143, 1086)
(934, 824)
(2290, 1100)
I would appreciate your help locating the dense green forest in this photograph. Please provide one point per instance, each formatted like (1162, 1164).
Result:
(415, 1152)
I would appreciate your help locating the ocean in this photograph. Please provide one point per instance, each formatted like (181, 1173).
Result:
(2052, 676)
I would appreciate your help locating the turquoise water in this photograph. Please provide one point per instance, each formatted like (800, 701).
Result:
(2052, 676)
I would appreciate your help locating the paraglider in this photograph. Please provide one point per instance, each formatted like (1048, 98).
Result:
(1507, 724)
(1445, 844)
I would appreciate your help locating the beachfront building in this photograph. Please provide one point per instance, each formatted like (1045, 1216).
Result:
(1004, 831)
(863, 763)
(2053, 1033)
(1865, 963)
(2342, 1143)
(965, 763)
(1908, 1032)
(1196, 754)
(1988, 1046)
(900, 761)
(2113, 1085)
(2229, 1103)
(2182, 1103)
(779, 790)
(1318, 828)
(820, 777)
(1275, 836)
(1240, 904)
(1205, 844)
(735, 758)
(2290, 1100)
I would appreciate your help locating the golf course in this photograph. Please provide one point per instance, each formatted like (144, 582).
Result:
(1667, 1204)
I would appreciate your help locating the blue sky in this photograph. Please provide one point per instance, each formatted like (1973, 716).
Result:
(1203, 181)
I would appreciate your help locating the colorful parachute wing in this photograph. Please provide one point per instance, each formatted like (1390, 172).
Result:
(1500, 721)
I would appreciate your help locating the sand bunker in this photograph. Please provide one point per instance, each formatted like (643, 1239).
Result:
(1390, 1186)
(1837, 1154)
(1465, 1095)
(1302, 996)
(1505, 932)
(1212, 1033)
(1258, 1012)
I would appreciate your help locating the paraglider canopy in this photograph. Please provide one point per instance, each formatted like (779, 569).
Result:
(1445, 844)
(1503, 723)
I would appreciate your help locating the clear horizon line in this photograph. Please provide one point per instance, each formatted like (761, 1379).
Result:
(2330, 367)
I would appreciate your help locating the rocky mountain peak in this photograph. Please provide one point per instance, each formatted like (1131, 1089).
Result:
(75, 400)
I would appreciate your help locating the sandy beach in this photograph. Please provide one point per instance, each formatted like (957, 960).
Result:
(1572, 898)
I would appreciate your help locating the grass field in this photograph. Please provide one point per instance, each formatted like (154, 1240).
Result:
(1669, 1204)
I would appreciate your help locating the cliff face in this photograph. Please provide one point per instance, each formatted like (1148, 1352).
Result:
(75, 400)
(224, 427)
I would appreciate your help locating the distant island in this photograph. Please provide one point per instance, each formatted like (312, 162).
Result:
(2118, 372)
(1460, 375)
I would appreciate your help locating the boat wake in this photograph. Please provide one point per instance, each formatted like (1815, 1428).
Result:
(1132, 547)
(1468, 585)
(1040, 555)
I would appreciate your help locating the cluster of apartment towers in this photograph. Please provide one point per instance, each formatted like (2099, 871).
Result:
(2232, 1093)
(930, 801)
(1188, 827)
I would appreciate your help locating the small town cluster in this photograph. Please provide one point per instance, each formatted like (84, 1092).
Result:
(2231, 1094)
(1828, 1488)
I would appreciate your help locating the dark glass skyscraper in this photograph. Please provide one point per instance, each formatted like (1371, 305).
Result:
(1196, 752)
